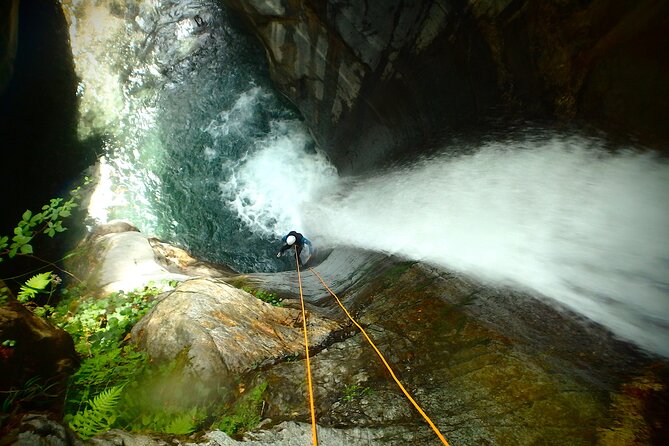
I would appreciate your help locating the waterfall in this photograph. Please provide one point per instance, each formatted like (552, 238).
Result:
(200, 151)
(555, 215)
(180, 98)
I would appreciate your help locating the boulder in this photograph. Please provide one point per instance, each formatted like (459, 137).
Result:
(36, 359)
(40, 430)
(176, 260)
(288, 433)
(116, 256)
(225, 332)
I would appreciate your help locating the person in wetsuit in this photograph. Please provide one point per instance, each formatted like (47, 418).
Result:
(298, 241)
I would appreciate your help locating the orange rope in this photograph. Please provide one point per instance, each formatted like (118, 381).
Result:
(415, 404)
(314, 434)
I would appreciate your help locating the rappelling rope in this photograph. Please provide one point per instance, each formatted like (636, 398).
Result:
(314, 434)
(378, 352)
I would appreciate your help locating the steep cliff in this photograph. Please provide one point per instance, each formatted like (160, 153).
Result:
(372, 77)
(376, 79)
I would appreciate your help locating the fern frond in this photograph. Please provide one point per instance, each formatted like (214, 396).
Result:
(33, 286)
(101, 415)
(182, 424)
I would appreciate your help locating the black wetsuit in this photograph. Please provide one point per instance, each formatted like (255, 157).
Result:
(300, 241)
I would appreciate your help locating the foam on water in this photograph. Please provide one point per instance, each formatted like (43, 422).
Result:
(199, 151)
(558, 216)
(268, 188)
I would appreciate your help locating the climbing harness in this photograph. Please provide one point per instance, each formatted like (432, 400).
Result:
(314, 434)
(378, 352)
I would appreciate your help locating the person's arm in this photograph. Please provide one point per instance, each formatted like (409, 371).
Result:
(283, 248)
(308, 243)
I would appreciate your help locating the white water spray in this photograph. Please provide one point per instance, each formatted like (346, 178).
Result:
(268, 188)
(560, 217)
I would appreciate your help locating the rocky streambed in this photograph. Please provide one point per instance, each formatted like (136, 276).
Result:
(488, 366)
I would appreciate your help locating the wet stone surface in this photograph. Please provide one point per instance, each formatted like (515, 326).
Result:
(481, 380)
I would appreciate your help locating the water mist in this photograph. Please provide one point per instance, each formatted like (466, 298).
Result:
(556, 216)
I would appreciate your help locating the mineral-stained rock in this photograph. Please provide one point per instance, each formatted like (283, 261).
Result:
(527, 376)
(224, 331)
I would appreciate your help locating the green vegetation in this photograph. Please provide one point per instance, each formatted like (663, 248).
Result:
(245, 414)
(31, 225)
(35, 285)
(101, 415)
(35, 390)
(97, 325)
(116, 386)
(265, 296)
(119, 387)
(354, 392)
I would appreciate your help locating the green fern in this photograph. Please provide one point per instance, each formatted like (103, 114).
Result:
(33, 286)
(183, 424)
(101, 415)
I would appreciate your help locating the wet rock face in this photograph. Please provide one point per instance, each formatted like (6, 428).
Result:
(376, 79)
(487, 367)
(224, 332)
(599, 61)
(9, 24)
(370, 77)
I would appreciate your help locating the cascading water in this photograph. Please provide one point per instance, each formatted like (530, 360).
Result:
(555, 215)
(202, 153)
(182, 99)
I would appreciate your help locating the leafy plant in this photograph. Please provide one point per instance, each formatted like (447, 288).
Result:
(354, 392)
(99, 416)
(33, 286)
(33, 224)
(112, 367)
(99, 328)
(4, 295)
(166, 420)
(34, 390)
(102, 322)
(246, 413)
(154, 397)
(265, 296)
(184, 424)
